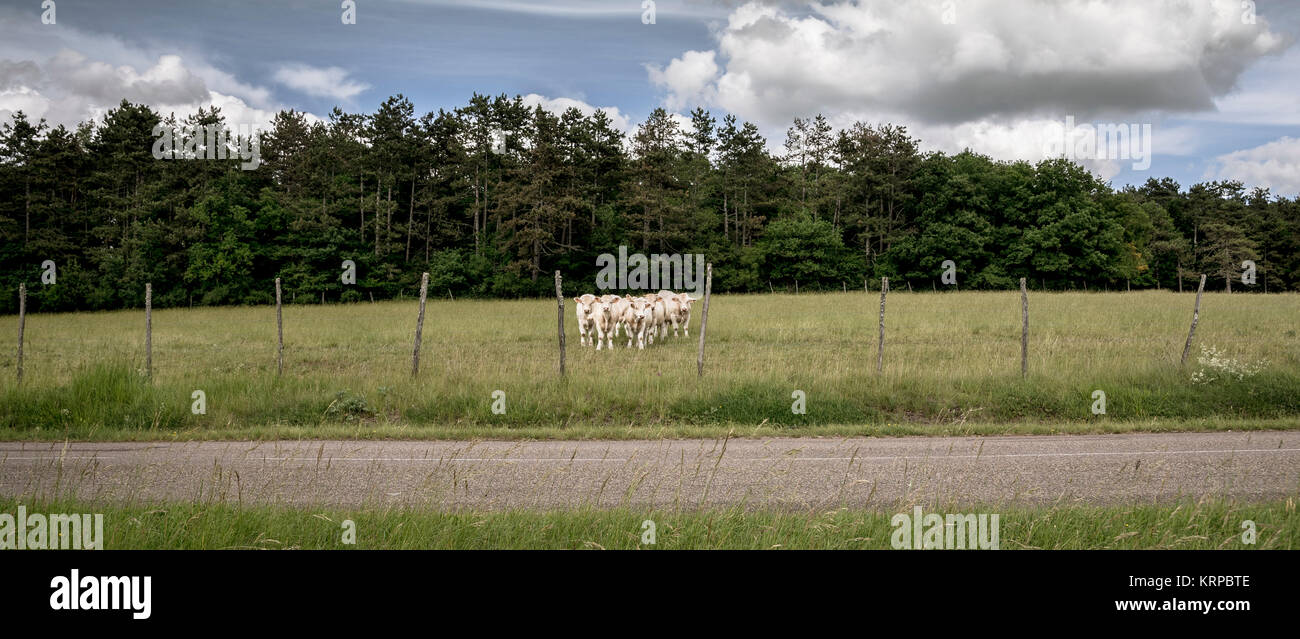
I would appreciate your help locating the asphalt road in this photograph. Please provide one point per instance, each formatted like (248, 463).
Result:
(775, 473)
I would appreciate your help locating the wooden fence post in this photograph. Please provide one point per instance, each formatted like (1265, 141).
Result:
(419, 325)
(22, 322)
(279, 331)
(148, 331)
(880, 347)
(704, 318)
(559, 302)
(1196, 316)
(1024, 329)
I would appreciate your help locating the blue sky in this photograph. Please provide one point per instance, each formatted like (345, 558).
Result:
(1220, 89)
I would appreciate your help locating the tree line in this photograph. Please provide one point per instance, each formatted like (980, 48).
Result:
(492, 197)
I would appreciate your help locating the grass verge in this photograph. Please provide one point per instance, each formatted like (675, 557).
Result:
(579, 430)
(1211, 524)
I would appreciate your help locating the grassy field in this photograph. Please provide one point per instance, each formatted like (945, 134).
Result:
(951, 366)
(1188, 525)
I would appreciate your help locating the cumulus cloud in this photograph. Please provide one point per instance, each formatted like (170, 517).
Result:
(69, 87)
(168, 80)
(328, 82)
(558, 106)
(690, 79)
(67, 76)
(1275, 165)
(1000, 77)
(1000, 58)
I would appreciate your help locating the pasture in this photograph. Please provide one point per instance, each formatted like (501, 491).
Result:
(951, 365)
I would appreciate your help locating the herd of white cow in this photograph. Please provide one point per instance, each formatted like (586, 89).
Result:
(641, 318)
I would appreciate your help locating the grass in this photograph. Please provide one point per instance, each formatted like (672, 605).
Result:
(1213, 524)
(951, 366)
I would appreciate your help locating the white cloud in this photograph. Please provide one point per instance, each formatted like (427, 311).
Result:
(1002, 58)
(67, 76)
(328, 82)
(689, 79)
(558, 106)
(25, 99)
(997, 81)
(1275, 165)
(234, 109)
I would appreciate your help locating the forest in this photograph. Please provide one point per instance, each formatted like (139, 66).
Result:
(492, 197)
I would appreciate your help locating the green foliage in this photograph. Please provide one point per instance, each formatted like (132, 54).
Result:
(800, 249)
(493, 197)
(347, 407)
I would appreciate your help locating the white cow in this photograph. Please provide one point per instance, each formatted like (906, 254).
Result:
(656, 318)
(585, 310)
(618, 308)
(612, 301)
(685, 301)
(637, 316)
(672, 312)
(679, 310)
(605, 321)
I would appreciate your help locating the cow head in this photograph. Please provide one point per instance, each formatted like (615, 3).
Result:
(641, 308)
(684, 302)
(585, 303)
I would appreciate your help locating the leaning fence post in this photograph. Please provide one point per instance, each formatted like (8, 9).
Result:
(419, 325)
(704, 317)
(1196, 316)
(279, 330)
(1024, 329)
(880, 347)
(148, 331)
(22, 321)
(559, 301)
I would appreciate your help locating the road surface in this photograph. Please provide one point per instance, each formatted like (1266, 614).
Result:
(779, 473)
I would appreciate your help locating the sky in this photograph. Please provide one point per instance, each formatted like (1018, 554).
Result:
(1206, 89)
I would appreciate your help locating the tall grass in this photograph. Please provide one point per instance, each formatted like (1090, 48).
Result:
(1211, 524)
(950, 358)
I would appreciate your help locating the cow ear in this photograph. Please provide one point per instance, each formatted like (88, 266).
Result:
(577, 300)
